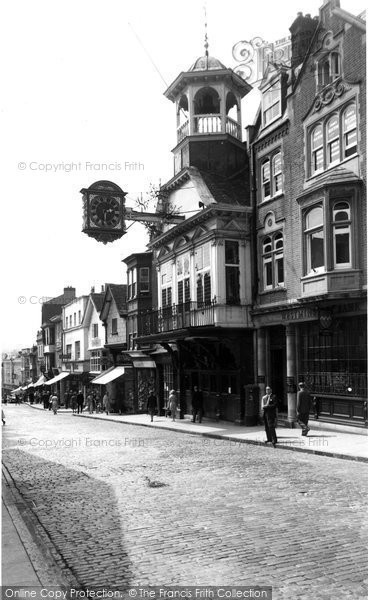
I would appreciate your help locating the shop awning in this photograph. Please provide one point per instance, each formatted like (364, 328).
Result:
(40, 381)
(144, 363)
(109, 376)
(18, 389)
(57, 378)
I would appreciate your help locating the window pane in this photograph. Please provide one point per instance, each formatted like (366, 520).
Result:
(280, 269)
(334, 151)
(317, 137)
(316, 250)
(231, 253)
(314, 218)
(342, 245)
(186, 290)
(180, 292)
(266, 171)
(232, 285)
(318, 160)
(332, 128)
(268, 273)
(207, 287)
(350, 118)
(199, 289)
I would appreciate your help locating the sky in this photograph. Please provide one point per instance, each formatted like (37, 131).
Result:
(83, 85)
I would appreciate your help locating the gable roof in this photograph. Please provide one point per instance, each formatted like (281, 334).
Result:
(119, 293)
(98, 300)
(212, 187)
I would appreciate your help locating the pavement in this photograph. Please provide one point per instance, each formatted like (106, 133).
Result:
(316, 497)
(324, 439)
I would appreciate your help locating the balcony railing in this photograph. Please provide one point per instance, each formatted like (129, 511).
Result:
(177, 316)
(193, 314)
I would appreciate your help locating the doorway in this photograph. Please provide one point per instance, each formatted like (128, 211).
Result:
(277, 367)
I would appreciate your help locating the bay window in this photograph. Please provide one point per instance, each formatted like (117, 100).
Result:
(332, 139)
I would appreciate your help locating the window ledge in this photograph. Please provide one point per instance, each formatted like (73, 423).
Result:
(275, 197)
(279, 288)
(314, 177)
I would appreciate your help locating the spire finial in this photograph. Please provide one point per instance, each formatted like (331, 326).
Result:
(205, 34)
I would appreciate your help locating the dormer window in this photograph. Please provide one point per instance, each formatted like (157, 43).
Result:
(328, 69)
(271, 103)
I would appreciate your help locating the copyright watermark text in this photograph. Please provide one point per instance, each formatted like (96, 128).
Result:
(69, 167)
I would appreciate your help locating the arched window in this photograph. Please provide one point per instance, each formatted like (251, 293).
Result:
(341, 224)
(314, 240)
(317, 149)
(206, 102)
(349, 126)
(207, 111)
(273, 261)
(277, 173)
(333, 140)
(266, 180)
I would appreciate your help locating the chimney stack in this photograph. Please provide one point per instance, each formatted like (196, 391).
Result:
(302, 31)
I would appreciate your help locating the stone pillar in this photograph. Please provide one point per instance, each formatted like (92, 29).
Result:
(291, 373)
(261, 363)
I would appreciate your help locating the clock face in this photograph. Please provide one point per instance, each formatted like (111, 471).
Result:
(104, 211)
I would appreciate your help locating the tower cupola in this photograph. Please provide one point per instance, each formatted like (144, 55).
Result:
(208, 112)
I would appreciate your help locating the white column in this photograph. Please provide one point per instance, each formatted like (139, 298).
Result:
(291, 372)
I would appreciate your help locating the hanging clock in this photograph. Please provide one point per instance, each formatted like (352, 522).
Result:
(104, 211)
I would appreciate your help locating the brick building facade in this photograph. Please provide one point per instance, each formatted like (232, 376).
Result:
(309, 159)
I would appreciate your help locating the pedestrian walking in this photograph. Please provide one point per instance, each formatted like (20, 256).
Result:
(90, 403)
(106, 403)
(197, 404)
(303, 406)
(269, 405)
(74, 402)
(80, 402)
(54, 403)
(45, 399)
(173, 403)
(151, 404)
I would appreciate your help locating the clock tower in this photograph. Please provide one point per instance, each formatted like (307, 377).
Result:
(208, 111)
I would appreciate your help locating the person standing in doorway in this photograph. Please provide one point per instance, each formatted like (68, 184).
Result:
(80, 402)
(269, 405)
(197, 404)
(303, 406)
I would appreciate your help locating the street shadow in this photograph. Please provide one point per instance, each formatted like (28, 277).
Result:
(79, 514)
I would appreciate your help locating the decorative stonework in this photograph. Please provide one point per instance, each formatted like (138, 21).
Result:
(329, 94)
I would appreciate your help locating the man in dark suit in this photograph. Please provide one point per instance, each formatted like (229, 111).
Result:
(303, 406)
(269, 405)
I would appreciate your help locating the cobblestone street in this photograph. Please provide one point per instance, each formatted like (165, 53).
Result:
(127, 505)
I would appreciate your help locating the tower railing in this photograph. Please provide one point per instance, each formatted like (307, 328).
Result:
(207, 124)
(183, 131)
(233, 128)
